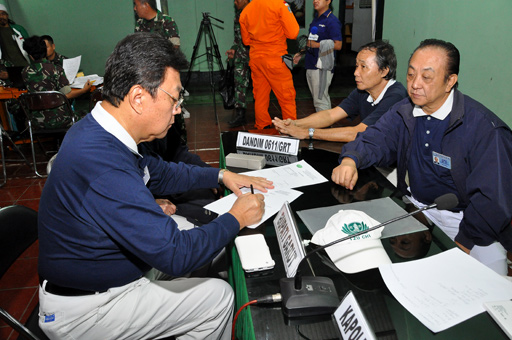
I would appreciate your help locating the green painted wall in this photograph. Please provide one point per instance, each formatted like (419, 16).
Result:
(479, 29)
(92, 28)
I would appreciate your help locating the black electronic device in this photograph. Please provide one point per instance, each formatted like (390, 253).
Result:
(15, 77)
(311, 296)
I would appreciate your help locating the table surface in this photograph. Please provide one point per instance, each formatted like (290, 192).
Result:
(386, 316)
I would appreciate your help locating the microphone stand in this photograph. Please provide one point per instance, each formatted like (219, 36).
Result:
(320, 295)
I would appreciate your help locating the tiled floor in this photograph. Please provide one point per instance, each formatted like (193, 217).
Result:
(18, 288)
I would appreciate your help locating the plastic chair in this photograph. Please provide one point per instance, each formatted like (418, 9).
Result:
(18, 231)
(40, 101)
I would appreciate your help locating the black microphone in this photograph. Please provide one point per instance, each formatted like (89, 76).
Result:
(320, 297)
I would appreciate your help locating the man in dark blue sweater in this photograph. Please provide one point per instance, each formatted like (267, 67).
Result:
(447, 143)
(377, 90)
(101, 231)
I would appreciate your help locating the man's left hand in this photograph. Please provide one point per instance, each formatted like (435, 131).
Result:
(234, 182)
(166, 205)
(288, 127)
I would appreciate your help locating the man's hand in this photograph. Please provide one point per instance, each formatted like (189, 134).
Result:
(234, 182)
(248, 209)
(288, 127)
(166, 205)
(345, 174)
(466, 250)
(296, 58)
(230, 53)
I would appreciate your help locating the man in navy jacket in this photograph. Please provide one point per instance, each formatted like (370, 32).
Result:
(447, 143)
(101, 231)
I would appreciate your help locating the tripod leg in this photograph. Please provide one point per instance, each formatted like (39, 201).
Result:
(209, 59)
(194, 55)
(216, 49)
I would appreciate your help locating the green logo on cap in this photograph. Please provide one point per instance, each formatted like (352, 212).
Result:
(354, 228)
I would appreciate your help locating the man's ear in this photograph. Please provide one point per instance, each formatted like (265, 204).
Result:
(452, 80)
(385, 72)
(136, 97)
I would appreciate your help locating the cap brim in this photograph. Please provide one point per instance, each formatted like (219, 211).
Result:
(358, 256)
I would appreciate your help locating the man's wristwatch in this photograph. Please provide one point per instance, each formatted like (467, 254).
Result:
(221, 175)
(311, 132)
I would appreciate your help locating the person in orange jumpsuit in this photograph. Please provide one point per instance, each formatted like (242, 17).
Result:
(265, 25)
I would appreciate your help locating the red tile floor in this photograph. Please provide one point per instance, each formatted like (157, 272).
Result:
(18, 290)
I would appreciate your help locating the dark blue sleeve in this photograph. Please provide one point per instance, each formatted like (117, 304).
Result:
(334, 28)
(393, 95)
(351, 104)
(141, 228)
(170, 178)
(488, 215)
(378, 144)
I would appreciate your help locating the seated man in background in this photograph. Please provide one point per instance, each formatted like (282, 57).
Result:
(377, 90)
(447, 143)
(51, 54)
(42, 75)
(101, 232)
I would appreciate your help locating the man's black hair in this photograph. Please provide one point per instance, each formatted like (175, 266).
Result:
(452, 53)
(384, 55)
(35, 47)
(47, 38)
(140, 59)
(151, 3)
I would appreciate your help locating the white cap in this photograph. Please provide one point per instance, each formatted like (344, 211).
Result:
(356, 254)
(3, 8)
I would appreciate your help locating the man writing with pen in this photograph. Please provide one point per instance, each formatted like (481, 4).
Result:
(43, 75)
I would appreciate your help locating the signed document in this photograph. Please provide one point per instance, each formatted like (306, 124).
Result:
(445, 289)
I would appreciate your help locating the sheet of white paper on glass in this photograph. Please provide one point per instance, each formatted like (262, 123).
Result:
(445, 289)
(274, 200)
(291, 176)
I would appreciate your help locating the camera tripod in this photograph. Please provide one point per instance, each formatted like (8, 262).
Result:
(212, 50)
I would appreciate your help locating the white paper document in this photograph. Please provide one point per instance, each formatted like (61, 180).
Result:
(274, 200)
(79, 82)
(445, 289)
(71, 67)
(501, 312)
(284, 178)
(291, 176)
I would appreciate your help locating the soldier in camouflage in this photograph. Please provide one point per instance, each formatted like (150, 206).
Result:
(240, 55)
(152, 20)
(41, 75)
(51, 54)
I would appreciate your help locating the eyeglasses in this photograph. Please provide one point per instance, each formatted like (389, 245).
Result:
(177, 101)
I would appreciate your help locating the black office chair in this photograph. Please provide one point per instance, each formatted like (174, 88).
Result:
(40, 101)
(96, 96)
(18, 231)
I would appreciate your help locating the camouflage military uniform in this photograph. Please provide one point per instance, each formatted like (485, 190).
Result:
(45, 76)
(58, 59)
(242, 70)
(163, 24)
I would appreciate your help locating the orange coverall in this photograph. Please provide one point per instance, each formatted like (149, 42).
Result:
(265, 25)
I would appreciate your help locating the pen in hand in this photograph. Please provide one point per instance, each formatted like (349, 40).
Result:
(252, 189)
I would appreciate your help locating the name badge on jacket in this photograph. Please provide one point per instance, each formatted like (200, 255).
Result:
(441, 160)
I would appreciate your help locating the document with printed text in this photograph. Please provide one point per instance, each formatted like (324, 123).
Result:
(445, 289)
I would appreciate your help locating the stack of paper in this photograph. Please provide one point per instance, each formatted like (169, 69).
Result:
(79, 82)
(285, 178)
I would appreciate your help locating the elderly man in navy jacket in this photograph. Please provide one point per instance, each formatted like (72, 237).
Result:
(447, 143)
